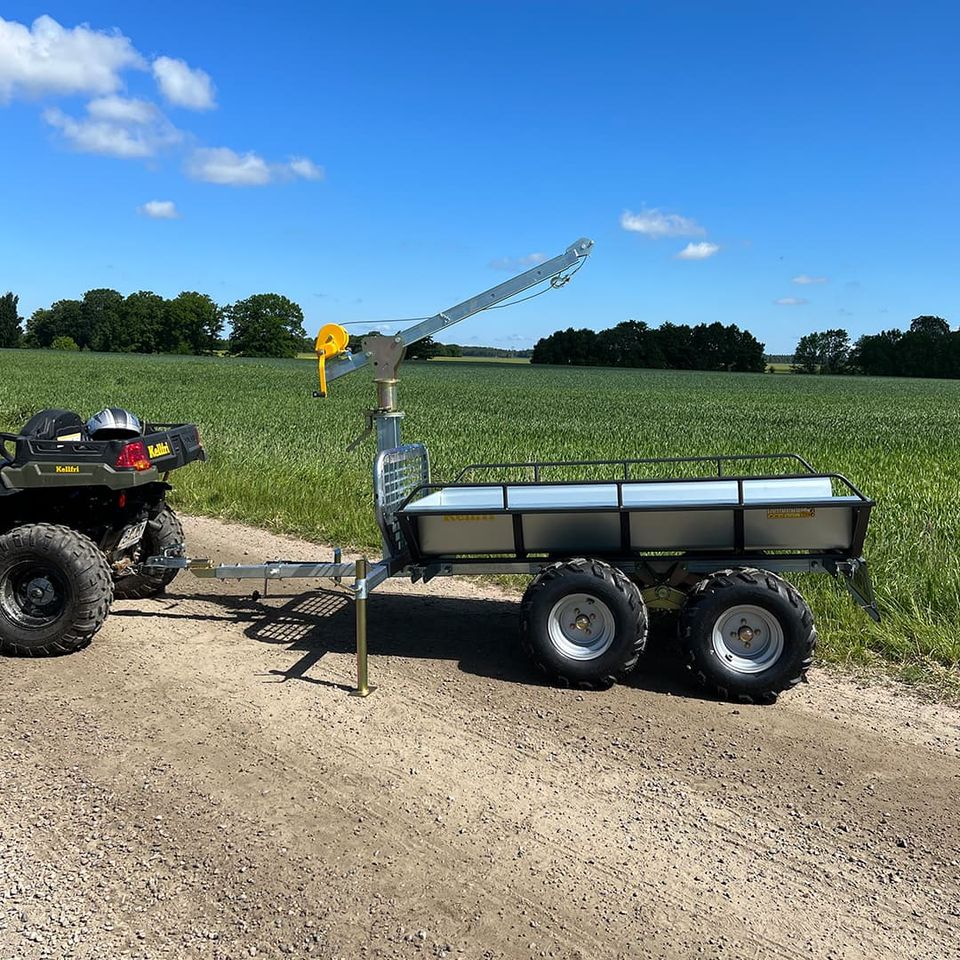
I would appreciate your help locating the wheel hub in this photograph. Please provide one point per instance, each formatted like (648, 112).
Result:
(33, 594)
(748, 638)
(582, 622)
(581, 626)
(40, 592)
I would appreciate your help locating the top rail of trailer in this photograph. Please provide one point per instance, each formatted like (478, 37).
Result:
(626, 466)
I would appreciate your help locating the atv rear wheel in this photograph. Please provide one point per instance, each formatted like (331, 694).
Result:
(55, 590)
(164, 535)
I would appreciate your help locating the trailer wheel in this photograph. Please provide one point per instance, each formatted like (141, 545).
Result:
(583, 623)
(55, 590)
(749, 635)
(164, 533)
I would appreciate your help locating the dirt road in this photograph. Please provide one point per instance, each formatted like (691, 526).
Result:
(197, 783)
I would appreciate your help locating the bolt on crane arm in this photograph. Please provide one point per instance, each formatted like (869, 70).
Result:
(335, 363)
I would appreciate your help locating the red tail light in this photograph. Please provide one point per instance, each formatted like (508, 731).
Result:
(134, 457)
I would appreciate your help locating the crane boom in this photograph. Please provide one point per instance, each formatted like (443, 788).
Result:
(345, 363)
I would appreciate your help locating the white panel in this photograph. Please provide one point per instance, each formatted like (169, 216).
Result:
(570, 495)
(671, 493)
(453, 498)
(763, 491)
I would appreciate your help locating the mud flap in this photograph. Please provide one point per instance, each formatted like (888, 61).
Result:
(856, 578)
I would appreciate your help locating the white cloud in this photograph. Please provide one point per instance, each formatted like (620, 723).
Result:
(183, 85)
(790, 302)
(656, 223)
(805, 278)
(123, 110)
(518, 263)
(305, 169)
(46, 58)
(160, 210)
(224, 166)
(116, 127)
(698, 251)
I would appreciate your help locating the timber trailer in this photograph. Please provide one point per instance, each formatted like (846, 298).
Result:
(604, 540)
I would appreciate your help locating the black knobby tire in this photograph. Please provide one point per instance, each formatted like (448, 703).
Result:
(164, 534)
(753, 667)
(56, 589)
(611, 603)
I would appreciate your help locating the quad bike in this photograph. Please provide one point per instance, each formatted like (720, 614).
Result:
(77, 515)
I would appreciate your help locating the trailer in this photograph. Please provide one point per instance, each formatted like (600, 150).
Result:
(605, 542)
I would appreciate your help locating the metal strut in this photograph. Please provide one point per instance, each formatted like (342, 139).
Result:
(363, 689)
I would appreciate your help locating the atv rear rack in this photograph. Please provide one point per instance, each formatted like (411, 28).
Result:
(38, 462)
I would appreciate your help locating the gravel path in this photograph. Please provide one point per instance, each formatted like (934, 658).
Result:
(197, 783)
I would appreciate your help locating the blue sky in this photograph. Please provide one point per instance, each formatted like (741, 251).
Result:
(385, 160)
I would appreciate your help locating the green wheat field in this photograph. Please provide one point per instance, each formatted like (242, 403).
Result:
(278, 459)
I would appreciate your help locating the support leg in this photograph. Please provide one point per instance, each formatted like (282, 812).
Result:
(363, 689)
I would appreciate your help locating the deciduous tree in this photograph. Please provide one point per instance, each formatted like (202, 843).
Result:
(9, 321)
(265, 325)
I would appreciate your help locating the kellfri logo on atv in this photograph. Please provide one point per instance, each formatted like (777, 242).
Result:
(158, 450)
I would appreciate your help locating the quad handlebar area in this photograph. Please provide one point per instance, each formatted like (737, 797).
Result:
(604, 542)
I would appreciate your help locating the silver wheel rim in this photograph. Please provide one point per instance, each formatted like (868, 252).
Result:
(581, 626)
(747, 638)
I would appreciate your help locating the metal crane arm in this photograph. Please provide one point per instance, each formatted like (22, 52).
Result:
(346, 363)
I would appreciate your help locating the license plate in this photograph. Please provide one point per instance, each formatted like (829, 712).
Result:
(133, 534)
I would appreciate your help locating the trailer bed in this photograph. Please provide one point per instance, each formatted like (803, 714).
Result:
(793, 512)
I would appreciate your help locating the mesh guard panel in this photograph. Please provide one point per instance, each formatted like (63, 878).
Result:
(396, 473)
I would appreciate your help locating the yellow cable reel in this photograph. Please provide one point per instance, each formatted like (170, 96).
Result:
(332, 340)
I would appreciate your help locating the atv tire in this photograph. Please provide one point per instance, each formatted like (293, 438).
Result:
(55, 590)
(583, 623)
(164, 535)
(748, 634)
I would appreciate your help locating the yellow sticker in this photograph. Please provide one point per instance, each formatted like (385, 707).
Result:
(161, 449)
(467, 516)
(800, 513)
(65, 469)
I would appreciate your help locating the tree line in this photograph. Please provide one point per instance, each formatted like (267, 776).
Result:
(263, 325)
(929, 348)
(271, 325)
(633, 343)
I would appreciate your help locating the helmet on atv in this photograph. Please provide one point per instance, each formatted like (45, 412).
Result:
(114, 423)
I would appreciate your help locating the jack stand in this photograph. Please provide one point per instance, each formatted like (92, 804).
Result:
(363, 689)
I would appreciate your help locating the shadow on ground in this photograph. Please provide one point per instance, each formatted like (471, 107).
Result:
(482, 636)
